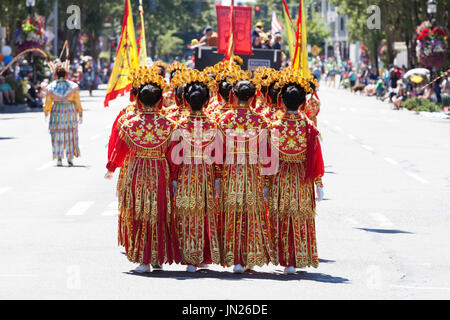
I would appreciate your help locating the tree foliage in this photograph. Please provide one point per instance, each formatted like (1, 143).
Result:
(179, 15)
(399, 19)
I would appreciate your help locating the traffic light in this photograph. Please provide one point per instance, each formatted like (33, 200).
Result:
(257, 11)
(265, 10)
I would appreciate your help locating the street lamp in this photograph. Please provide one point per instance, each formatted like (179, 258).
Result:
(30, 4)
(432, 8)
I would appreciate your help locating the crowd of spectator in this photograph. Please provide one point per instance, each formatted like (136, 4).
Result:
(392, 84)
(25, 83)
(262, 40)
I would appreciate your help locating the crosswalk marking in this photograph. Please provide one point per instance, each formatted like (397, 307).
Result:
(112, 210)
(80, 208)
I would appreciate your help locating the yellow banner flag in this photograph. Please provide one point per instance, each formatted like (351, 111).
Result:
(290, 32)
(142, 54)
(126, 58)
(301, 61)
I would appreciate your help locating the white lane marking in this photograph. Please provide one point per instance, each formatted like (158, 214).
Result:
(80, 208)
(391, 161)
(96, 136)
(45, 166)
(352, 137)
(418, 178)
(368, 148)
(112, 209)
(420, 288)
(382, 220)
(338, 128)
(4, 190)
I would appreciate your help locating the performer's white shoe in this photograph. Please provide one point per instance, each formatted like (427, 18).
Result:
(204, 266)
(59, 163)
(191, 269)
(143, 268)
(238, 269)
(157, 268)
(290, 270)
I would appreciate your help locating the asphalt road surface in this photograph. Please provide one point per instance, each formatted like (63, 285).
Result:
(383, 229)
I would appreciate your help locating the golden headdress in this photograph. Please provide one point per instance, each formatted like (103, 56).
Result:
(189, 76)
(293, 76)
(160, 64)
(176, 66)
(235, 75)
(145, 75)
(266, 76)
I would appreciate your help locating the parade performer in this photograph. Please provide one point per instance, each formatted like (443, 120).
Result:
(63, 106)
(292, 201)
(220, 99)
(246, 240)
(174, 95)
(195, 208)
(312, 108)
(145, 196)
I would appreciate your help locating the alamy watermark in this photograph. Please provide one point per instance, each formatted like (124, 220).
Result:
(374, 20)
(74, 20)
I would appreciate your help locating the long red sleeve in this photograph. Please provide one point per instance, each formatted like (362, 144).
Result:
(319, 166)
(114, 135)
(118, 155)
(174, 157)
(315, 167)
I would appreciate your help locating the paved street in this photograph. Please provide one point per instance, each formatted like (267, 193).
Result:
(383, 230)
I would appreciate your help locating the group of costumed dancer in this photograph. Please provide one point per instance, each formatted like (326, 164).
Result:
(218, 167)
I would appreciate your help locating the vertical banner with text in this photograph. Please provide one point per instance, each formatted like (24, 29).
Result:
(242, 29)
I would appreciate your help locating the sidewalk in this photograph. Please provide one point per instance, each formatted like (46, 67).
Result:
(20, 108)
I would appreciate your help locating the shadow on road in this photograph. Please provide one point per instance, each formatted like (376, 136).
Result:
(7, 138)
(250, 275)
(19, 109)
(385, 231)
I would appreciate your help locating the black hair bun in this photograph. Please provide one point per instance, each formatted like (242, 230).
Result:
(150, 94)
(273, 93)
(244, 90)
(196, 94)
(225, 89)
(293, 96)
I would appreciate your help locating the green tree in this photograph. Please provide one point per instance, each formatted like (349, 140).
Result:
(399, 19)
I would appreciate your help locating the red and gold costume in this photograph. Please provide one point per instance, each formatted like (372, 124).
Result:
(145, 226)
(195, 206)
(312, 109)
(246, 236)
(292, 203)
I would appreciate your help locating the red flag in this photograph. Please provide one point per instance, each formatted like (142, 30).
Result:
(241, 29)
